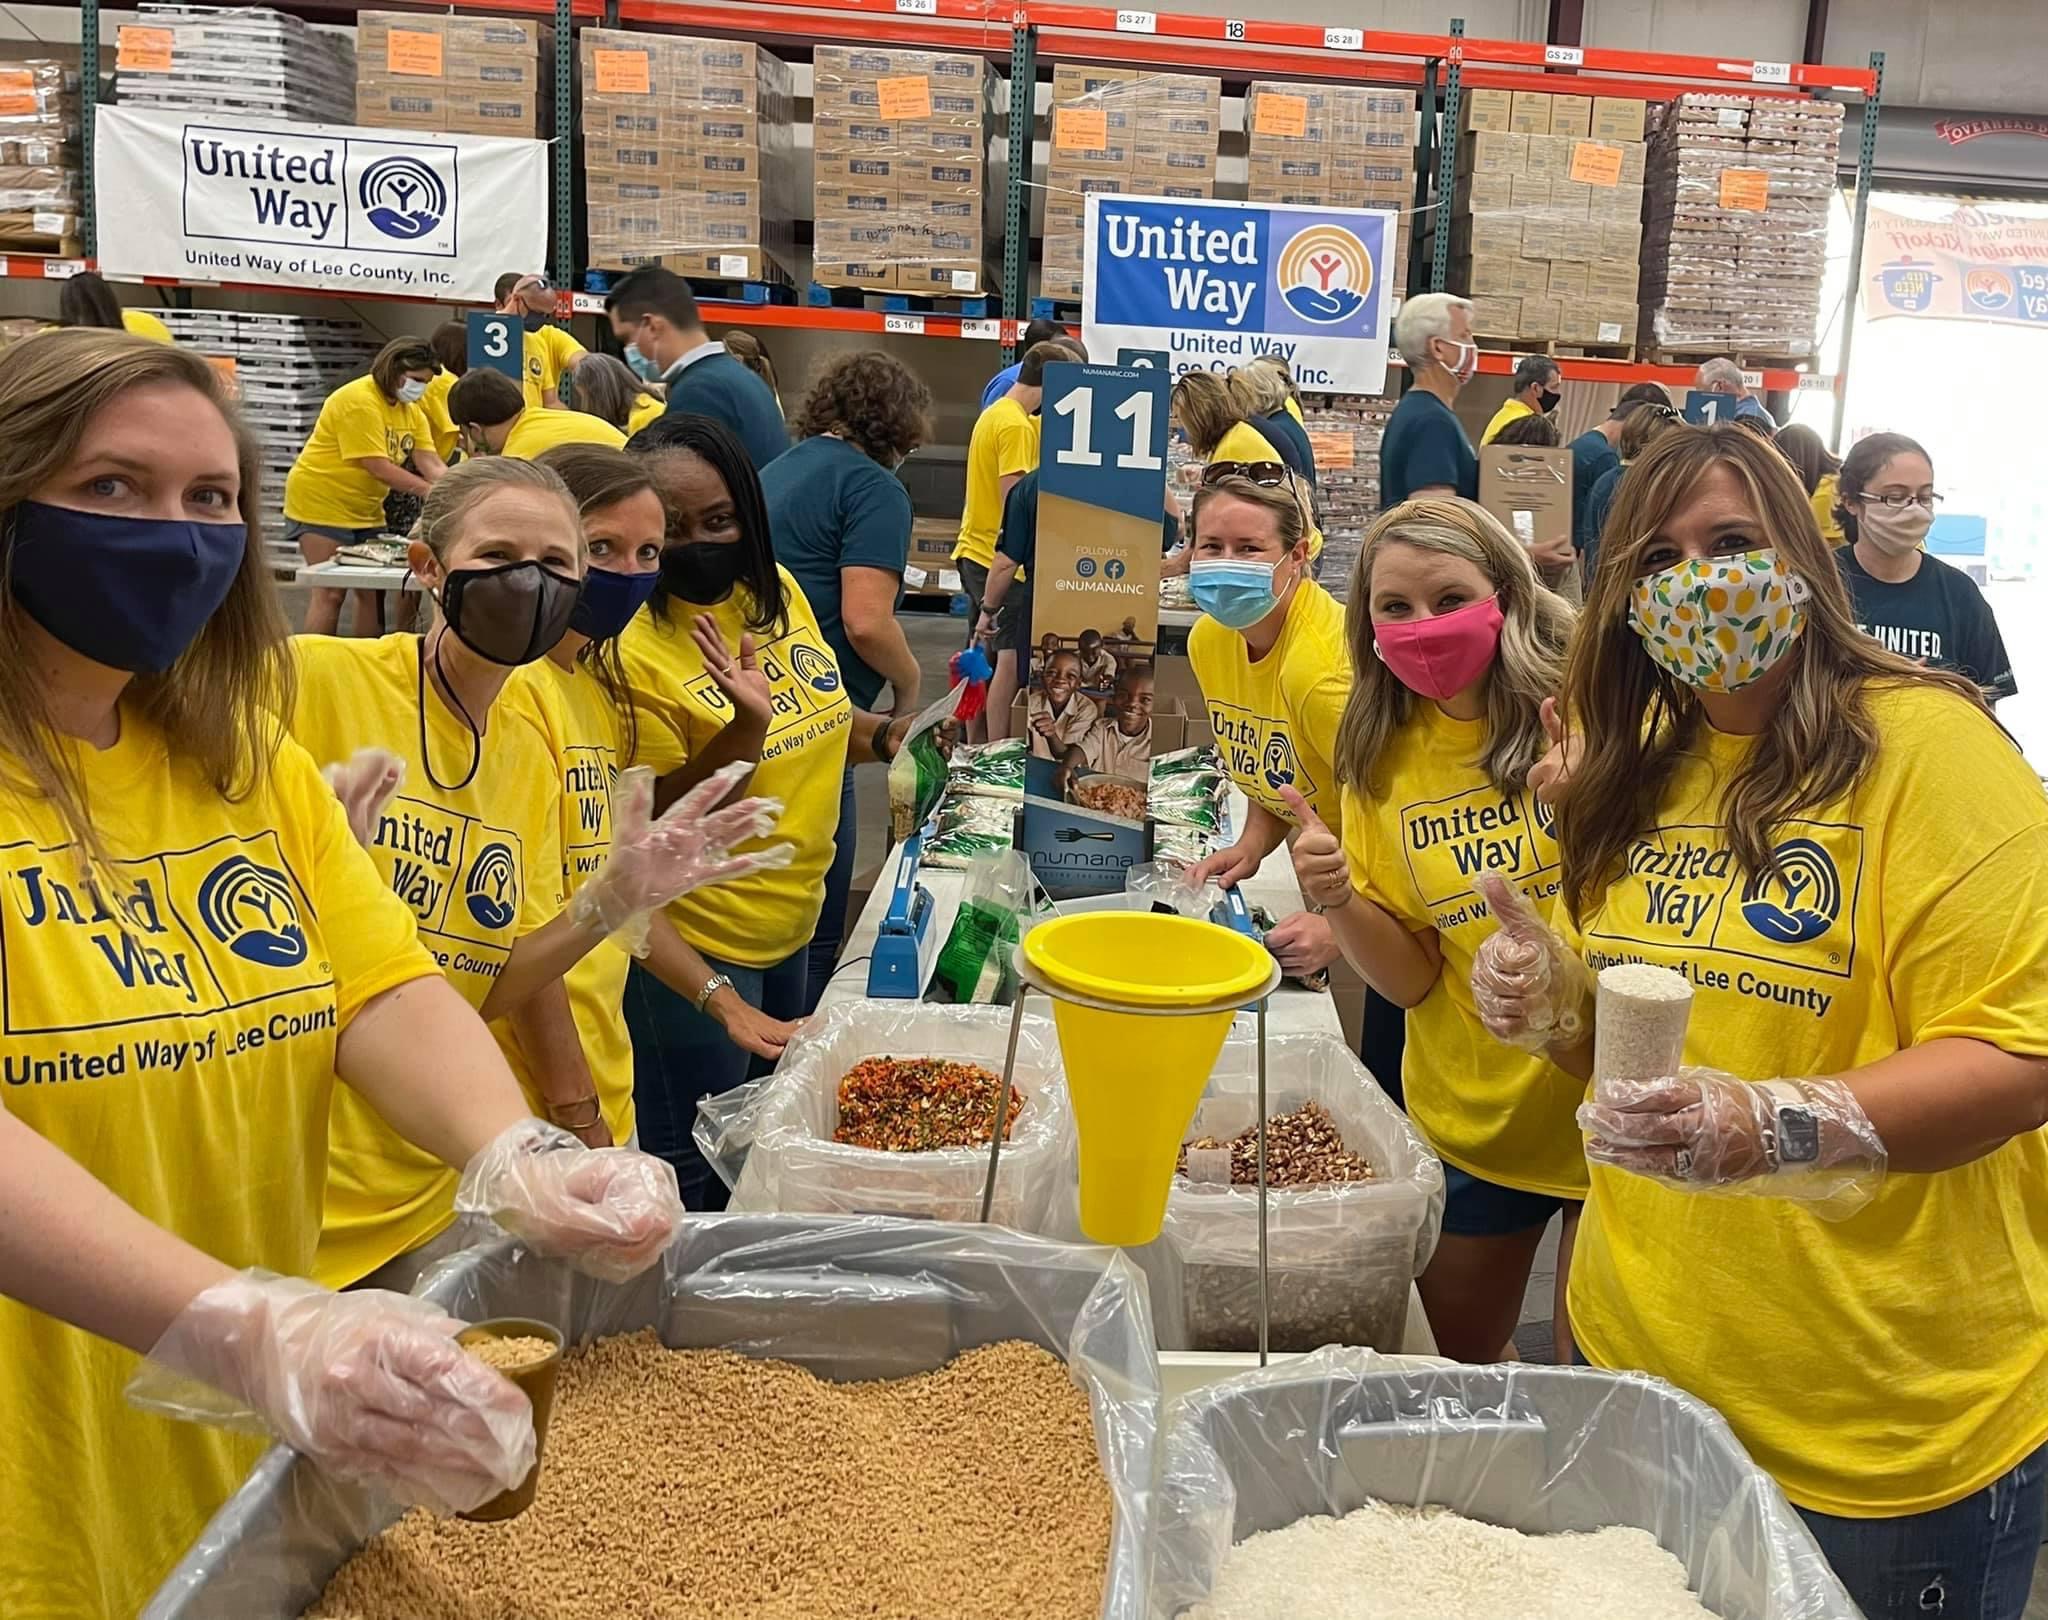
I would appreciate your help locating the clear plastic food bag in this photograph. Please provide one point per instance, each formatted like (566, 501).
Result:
(771, 1140)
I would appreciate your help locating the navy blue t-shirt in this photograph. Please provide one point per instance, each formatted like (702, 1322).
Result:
(1424, 445)
(1593, 516)
(1592, 455)
(719, 387)
(831, 506)
(1938, 617)
(1291, 439)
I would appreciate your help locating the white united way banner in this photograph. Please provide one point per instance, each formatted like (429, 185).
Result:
(316, 205)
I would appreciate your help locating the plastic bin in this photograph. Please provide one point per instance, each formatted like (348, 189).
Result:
(1541, 1449)
(1340, 1257)
(849, 1299)
(771, 1140)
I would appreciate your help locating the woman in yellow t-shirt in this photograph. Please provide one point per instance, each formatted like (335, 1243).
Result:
(1456, 645)
(88, 301)
(450, 343)
(195, 950)
(1213, 422)
(371, 438)
(494, 420)
(604, 386)
(1848, 863)
(1819, 472)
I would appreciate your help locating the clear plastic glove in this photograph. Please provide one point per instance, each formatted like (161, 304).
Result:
(365, 783)
(1704, 1131)
(370, 1385)
(1530, 988)
(653, 862)
(610, 1212)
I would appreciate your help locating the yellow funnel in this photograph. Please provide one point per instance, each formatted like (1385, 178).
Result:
(1134, 1078)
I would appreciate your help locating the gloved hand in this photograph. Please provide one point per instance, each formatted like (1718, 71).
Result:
(365, 783)
(610, 1212)
(1704, 1131)
(1530, 988)
(651, 863)
(370, 1385)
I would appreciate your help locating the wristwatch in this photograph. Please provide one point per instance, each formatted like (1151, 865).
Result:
(1796, 1141)
(712, 985)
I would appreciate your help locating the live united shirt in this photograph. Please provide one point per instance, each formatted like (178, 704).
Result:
(1895, 1361)
(1417, 851)
(179, 1043)
(477, 866)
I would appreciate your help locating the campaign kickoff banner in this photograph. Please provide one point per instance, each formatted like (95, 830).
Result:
(1973, 265)
(1214, 284)
(316, 205)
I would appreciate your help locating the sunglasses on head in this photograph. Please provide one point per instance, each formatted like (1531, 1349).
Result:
(1266, 474)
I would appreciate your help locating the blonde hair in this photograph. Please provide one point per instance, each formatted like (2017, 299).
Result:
(468, 485)
(1285, 510)
(1260, 387)
(746, 349)
(220, 705)
(1205, 410)
(1644, 426)
(1536, 629)
(1635, 721)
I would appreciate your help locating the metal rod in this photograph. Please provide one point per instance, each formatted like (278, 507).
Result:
(1447, 157)
(1866, 162)
(1265, 1297)
(1001, 1108)
(88, 108)
(1016, 195)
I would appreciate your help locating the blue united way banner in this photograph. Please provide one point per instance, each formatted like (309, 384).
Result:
(1214, 284)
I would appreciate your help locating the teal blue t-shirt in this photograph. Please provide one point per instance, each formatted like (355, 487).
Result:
(832, 506)
(1425, 445)
(719, 387)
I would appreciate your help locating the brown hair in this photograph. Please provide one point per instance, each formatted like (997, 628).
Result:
(1534, 428)
(1203, 407)
(1280, 501)
(1052, 352)
(746, 349)
(484, 398)
(398, 357)
(1643, 426)
(1635, 721)
(221, 704)
(450, 343)
(1810, 458)
(448, 504)
(871, 400)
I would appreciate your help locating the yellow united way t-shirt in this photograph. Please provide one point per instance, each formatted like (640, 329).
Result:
(761, 919)
(179, 1044)
(539, 430)
(325, 486)
(647, 410)
(1245, 443)
(549, 353)
(477, 866)
(1276, 720)
(434, 407)
(1416, 851)
(1004, 443)
(1896, 1361)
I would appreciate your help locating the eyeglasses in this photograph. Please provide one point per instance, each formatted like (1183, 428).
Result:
(1899, 503)
(1266, 474)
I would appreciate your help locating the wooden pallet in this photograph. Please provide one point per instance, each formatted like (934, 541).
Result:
(981, 306)
(730, 289)
(1558, 348)
(1691, 355)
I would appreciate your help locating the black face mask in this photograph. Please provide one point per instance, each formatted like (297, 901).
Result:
(512, 613)
(702, 571)
(1546, 401)
(533, 322)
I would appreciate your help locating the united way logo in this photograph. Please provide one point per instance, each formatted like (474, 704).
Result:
(1325, 275)
(1278, 764)
(1801, 902)
(491, 891)
(814, 668)
(1989, 292)
(403, 197)
(250, 910)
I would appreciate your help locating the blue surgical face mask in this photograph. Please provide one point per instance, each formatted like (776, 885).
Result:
(129, 593)
(610, 600)
(643, 368)
(1234, 593)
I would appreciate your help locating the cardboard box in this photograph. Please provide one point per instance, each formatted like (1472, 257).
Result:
(1495, 315)
(459, 75)
(1545, 237)
(1528, 192)
(1530, 113)
(1540, 317)
(1491, 276)
(1529, 488)
(1613, 240)
(1487, 236)
(1486, 109)
(1567, 280)
(454, 109)
(1494, 152)
(1611, 280)
(1617, 118)
(1568, 201)
(1571, 115)
(1549, 156)
(1484, 193)
(1614, 322)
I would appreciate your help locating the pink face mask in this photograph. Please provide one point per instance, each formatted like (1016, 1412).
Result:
(1440, 657)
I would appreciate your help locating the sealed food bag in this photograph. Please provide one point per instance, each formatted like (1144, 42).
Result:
(991, 770)
(1341, 1256)
(792, 1162)
(977, 964)
(845, 1299)
(918, 772)
(966, 829)
(1543, 1450)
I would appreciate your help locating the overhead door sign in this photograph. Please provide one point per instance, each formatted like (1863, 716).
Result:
(1216, 284)
(315, 205)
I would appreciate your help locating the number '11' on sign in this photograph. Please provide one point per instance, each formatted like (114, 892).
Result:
(1137, 410)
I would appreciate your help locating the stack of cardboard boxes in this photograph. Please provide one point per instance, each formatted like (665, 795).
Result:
(901, 142)
(1736, 233)
(1121, 132)
(454, 75)
(687, 155)
(243, 59)
(1333, 146)
(1344, 431)
(40, 188)
(1546, 232)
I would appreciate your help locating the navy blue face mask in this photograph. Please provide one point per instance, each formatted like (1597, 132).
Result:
(609, 602)
(129, 593)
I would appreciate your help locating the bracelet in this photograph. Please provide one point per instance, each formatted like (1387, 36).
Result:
(712, 985)
(557, 1110)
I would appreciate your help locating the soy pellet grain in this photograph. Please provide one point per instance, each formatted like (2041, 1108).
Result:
(702, 1485)
(1304, 1148)
(1639, 1033)
(1394, 1563)
(509, 1354)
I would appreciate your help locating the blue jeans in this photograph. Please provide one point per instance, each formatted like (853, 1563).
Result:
(1382, 1041)
(681, 1056)
(1972, 1560)
(831, 934)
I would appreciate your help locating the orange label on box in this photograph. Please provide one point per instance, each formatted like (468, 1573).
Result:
(144, 50)
(410, 51)
(909, 97)
(1596, 164)
(1280, 115)
(225, 365)
(1080, 129)
(1333, 449)
(1748, 189)
(624, 73)
(20, 78)
(18, 104)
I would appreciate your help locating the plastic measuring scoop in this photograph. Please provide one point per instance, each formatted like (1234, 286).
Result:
(1134, 1076)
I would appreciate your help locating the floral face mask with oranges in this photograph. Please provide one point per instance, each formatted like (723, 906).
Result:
(1720, 623)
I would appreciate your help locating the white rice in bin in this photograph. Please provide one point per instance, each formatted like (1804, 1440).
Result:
(1393, 1563)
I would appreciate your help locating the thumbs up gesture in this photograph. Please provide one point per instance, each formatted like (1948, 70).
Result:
(1531, 989)
(1551, 774)
(1319, 864)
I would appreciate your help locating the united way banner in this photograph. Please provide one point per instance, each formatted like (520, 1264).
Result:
(1974, 265)
(316, 205)
(1214, 284)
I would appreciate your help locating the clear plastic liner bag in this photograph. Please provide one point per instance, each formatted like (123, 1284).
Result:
(977, 964)
(847, 1299)
(1166, 883)
(771, 1140)
(1539, 1449)
(1340, 1256)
